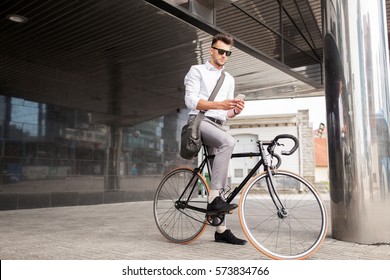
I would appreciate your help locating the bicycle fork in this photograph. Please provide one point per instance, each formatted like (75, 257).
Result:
(281, 210)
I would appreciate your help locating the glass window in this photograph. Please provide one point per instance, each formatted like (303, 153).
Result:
(239, 173)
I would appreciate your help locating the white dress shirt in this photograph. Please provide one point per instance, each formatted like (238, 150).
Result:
(199, 84)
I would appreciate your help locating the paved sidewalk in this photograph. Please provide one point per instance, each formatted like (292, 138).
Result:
(127, 231)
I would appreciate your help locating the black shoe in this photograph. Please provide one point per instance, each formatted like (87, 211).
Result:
(218, 205)
(228, 237)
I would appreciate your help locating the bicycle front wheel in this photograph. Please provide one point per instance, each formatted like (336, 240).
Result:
(296, 234)
(181, 224)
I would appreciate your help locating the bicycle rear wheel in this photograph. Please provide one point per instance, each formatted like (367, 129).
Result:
(296, 235)
(181, 224)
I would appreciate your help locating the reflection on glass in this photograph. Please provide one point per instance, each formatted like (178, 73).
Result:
(62, 149)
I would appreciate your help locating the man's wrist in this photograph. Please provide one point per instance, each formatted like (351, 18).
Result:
(234, 112)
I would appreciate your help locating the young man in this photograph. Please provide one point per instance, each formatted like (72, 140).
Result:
(199, 84)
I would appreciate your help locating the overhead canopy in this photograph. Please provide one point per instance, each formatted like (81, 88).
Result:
(124, 61)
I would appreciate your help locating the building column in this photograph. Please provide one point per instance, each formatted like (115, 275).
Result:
(357, 92)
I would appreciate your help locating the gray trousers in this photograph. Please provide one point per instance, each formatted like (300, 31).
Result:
(220, 144)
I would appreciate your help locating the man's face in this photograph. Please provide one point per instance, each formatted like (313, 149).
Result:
(216, 59)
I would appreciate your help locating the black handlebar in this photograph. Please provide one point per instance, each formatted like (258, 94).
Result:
(285, 136)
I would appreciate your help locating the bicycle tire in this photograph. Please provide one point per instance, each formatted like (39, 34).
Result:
(296, 236)
(180, 225)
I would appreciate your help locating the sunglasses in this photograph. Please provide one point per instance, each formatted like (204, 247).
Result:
(222, 52)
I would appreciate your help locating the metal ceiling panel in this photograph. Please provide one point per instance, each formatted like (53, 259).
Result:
(125, 61)
(122, 60)
(286, 31)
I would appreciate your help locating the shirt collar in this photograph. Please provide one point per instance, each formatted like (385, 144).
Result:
(211, 67)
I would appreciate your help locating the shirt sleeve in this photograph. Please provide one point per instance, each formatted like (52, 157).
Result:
(192, 88)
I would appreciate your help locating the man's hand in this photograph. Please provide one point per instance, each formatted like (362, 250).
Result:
(240, 105)
(229, 104)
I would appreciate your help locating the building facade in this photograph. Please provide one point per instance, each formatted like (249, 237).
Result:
(54, 156)
(247, 130)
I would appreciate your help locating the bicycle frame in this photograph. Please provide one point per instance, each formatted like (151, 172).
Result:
(263, 161)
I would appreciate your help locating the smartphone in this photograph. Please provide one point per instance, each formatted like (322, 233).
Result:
(240, 97)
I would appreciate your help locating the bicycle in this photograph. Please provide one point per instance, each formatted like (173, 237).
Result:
(280, 212)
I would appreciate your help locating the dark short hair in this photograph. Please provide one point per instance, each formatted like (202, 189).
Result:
(227, 39)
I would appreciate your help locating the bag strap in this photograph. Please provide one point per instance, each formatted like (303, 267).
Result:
(217, 86)
(215, 90)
